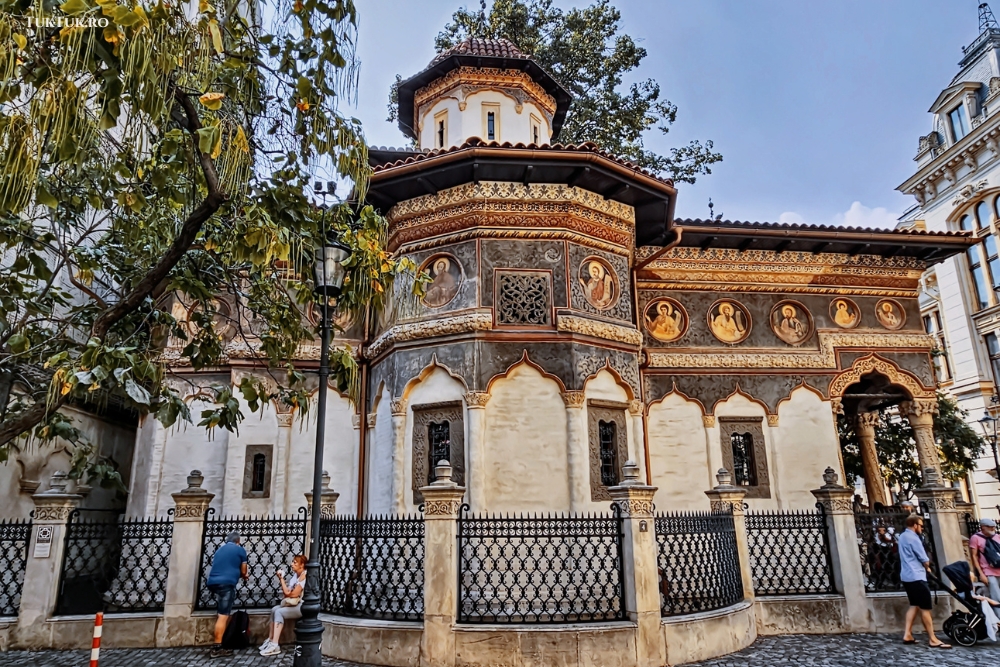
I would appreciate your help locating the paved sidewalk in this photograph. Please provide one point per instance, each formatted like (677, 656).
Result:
(153, 657)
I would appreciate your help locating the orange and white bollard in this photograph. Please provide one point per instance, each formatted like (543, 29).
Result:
(95, 648)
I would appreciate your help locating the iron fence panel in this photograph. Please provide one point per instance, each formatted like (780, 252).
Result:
(877, 542)
(698, 562)
(373, 567)
(270, 543)
(789, 552)
(114, 565)
(14, 538)
(970, 524)
(540, 569)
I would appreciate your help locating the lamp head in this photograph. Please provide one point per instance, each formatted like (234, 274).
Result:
(329, 268)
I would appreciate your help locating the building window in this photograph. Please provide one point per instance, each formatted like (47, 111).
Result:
(608, 445)
(745, 454)
(536, 130)
(993, 347)
(257, 471)
(959, 122)
(982, 214)
(992, 260)
(978, 276)
(744, 468)
(438, 434)
(441, 129)
(965, 224)
(932, 325)
(491, 122)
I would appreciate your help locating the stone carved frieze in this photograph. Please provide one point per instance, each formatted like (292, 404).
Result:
(635, 506)
(448, 507)
(871, 363)
(398, 407)
(837, 505)
(533, 229)
(574, 399)
(53, 512)
(191, 510)
(445, 326)
(727, 506)
(477, 399)
(523, 298)
(599, 329)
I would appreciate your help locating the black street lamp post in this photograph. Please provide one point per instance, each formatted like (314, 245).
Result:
(989, 424)
(329, 270)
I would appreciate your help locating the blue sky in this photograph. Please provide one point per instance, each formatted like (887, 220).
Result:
(815, 106)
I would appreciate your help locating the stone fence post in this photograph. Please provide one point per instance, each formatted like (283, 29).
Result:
(184, 570)
(639, 561)
(442, 503)
(728, 498)
(848, 575)
(940, 502)
(327, 508)
(40, 591)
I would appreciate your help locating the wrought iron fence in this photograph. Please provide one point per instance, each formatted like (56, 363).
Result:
(114, 565)
(14, 538)
(789, 552)
(698, 562)
(270, 543)
(540, 569)
(373, 567)
(970, 524)
(877, 541)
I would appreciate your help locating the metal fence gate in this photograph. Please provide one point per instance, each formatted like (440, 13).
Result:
(877, 535)
(790, 552)
(14, 538)
(373, 567)
(540, 569)
(698, 562)
(114, 565)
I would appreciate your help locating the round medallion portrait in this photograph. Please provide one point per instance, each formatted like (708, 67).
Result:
(341, 320)
(791, 322)
(890, 314)
(446, 277)
(222, 320)
(600, 284)
(665, 320)
(729, 321)
(845, 313)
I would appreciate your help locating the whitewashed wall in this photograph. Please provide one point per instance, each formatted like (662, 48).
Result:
(803, 445)
(514, 127)
(679, 455)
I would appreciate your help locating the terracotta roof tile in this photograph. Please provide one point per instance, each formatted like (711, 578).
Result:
(477, 46)
(739, 224)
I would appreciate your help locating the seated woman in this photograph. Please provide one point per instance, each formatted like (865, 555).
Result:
(290, 608)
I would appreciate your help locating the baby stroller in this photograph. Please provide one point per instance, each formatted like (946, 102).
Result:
(964, 627)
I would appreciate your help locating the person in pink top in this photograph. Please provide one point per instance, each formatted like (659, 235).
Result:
(988, 574)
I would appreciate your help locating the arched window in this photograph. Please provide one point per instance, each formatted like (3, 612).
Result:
(608, 439)
(979, 280)
(259, 472)
(439, 442)
(744, 467)
(982, 214)
(965, 224)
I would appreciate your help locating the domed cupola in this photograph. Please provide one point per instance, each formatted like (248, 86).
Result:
(485, 88)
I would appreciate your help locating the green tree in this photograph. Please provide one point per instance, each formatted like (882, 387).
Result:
(170, 152)
(585, 51)
(958, 446)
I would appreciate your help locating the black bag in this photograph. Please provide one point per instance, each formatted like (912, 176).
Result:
(991, 551)
(237, 634)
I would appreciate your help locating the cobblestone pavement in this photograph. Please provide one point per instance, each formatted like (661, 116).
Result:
(854, 651)
(153, 657)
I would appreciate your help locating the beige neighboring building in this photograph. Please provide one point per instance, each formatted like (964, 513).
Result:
(957, 187)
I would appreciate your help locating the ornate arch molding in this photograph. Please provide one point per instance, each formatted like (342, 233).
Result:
(772, 419)
(875, 363)
(525, 360)
(425, 373)
(619, 380)
(967, 199)
(675, 391)
(801, 385)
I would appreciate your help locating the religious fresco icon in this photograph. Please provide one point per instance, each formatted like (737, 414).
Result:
(791, 322)
(666, 320)
(845, 313)
(729, 321)
(890, 314)
(600, 284)
(446, 278)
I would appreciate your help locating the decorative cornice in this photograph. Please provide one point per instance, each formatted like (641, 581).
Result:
(574, 399)
(193, 511)
(513, 233)
(445, 326)
(471, 79)
(635, 506)
(938, 499)
(443, 507)
(53, 509)
(477, 399)
(598, 329)
(825, 357)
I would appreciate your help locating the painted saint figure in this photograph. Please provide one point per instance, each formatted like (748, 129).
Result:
(889, 314)
(598, 285)
(791, 325)
(729, 325)
(845, 313)
(668, 324)
(443, 286)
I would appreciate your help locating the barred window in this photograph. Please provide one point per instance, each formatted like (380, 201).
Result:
(606, 422)
(439, 438)
(257, 471)
(438, 434)
(259, 466)
(744, 468)
(608, 464)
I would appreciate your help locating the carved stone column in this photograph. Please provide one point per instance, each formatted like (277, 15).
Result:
(442, 503)
(398, 406)
(190, 506)
(864, 426)
(728, 498)
(642, 591)
(921, 413)
(848, 575)
(280, 503)
(577, 449)
(40, 590)
(636, 410)
(476, 472)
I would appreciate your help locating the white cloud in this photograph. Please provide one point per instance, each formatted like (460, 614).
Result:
(858, 215)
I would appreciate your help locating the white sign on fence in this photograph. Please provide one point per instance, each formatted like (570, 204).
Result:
(43, 542)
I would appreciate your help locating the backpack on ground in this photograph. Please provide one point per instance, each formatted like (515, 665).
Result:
(991, 551)
(237, 634)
